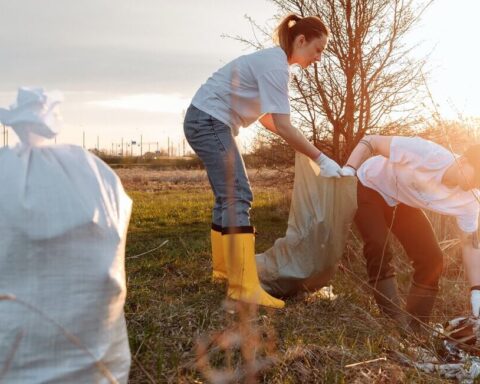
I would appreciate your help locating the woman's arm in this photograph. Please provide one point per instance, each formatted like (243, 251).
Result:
(281, 125)
(370, 145)
(267, 121)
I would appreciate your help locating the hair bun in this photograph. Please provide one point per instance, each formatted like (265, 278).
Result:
(295, 19)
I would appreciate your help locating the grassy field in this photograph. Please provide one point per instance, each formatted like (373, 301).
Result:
(181, 332)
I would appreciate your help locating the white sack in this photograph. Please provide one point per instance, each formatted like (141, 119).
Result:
(321, 213)
(63, 224)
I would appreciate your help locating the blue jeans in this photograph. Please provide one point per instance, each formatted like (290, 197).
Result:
(215, 145)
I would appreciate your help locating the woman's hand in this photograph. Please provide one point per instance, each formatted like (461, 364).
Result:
(348, 171)
(328, 167)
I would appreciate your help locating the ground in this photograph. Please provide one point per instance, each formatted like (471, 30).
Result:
(180, 326)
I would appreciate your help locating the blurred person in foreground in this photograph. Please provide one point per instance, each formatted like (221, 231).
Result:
(249, 88)
(398, 178)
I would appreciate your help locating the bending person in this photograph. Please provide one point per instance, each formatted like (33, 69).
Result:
(251, 87)
(404, 176)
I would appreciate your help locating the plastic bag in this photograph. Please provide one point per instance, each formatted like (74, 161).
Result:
(63, 225)
(321, 213)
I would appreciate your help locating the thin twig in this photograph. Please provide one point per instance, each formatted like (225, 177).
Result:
(19, 336)
(69, 336)
(365, 362)
(151, 250)
(149, 377)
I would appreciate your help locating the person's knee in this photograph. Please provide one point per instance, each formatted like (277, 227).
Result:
(429, 270)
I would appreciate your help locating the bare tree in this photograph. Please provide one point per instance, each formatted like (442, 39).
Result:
(367, 81)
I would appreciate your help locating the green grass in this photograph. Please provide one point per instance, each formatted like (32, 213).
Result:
(172, 304)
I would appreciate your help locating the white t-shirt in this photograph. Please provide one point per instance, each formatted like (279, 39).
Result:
(413, 176)
(246, 88)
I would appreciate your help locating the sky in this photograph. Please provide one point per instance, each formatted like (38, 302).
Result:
(128, 68)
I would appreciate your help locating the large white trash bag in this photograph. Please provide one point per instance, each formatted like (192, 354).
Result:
(321, 213)
(63, 226)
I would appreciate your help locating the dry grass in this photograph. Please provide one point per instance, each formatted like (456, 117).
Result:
(150, 180)
(181, 332)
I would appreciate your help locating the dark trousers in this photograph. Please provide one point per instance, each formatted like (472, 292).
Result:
(412, 228)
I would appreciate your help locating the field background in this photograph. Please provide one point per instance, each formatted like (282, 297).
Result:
(180, 331)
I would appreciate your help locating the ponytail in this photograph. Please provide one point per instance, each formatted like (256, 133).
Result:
(293, 25)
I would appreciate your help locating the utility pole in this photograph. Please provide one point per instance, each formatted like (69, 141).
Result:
(122, 148)
(141, 145)
(98, 143)
(168, 146)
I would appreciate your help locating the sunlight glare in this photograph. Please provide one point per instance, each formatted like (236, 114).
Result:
(150, 102)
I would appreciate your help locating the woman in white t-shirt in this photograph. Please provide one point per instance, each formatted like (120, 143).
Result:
(398, 177)
(251, 87)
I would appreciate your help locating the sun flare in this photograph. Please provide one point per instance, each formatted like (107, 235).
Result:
(149, 102)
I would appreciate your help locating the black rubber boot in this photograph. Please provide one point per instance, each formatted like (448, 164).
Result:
(420, 303)
(388, 300)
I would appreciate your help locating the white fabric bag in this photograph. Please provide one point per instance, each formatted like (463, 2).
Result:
(320, 217)
(63, 226)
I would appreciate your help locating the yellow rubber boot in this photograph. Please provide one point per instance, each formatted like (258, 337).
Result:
(243, 282)
(218, 261)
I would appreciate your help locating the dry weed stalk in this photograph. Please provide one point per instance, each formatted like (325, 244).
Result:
(382, 373)
(69, 336)
(8, 362)
(246, 347)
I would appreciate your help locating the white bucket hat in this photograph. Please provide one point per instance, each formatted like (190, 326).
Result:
(34, 116)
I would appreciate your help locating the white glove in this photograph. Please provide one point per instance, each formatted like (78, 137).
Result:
(328, 167)
(475, 301)
(348, 171)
